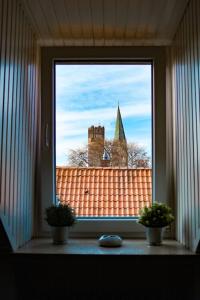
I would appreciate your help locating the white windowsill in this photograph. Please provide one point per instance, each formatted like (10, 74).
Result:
(91, 247)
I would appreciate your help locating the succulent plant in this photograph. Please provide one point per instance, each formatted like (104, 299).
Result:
(158, 215)
(60, 215)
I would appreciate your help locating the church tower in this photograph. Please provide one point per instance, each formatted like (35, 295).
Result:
(119, 147)
(96, 136)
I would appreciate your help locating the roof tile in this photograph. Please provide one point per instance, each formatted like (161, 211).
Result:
(104, 192)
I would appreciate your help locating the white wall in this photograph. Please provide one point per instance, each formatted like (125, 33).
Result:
(184, 57)
(18, 115)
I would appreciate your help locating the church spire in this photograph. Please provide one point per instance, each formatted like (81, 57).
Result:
(119, 145)
(119, 128)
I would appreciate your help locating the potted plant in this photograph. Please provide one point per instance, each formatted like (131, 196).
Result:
(155, 219)
(60, 217)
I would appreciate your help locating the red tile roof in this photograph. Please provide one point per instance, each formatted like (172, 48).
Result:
(101, 192)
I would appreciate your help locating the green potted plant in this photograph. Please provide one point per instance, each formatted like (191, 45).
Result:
(155, 219)
(60, 217)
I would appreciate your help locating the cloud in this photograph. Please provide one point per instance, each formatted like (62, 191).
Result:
(88, 95)
(86, 83)
(103, 114)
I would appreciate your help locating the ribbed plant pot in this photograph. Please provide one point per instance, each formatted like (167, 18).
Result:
(154, 235)
(60, 234)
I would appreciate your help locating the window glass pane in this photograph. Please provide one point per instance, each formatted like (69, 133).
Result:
(104, 138)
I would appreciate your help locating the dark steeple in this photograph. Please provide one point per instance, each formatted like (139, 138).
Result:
(119, 145)
(119, 128)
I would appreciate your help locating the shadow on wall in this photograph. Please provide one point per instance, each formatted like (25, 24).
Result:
(5, 246)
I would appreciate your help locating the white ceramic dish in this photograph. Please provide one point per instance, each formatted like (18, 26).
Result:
(110, 241)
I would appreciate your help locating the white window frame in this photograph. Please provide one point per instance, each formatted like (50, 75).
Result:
(93, 227)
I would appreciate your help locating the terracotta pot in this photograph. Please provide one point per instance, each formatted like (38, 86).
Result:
(60, 234)
(154, 235)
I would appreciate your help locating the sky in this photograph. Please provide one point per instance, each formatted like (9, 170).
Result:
(88, 95)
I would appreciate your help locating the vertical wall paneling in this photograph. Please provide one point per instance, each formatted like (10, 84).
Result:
(5, 107)
(193, 170)
(170, 138)
(17, 131)
(1, 19)
(9, 172)
(197, 125)
(20, 144)
(30, 183)
(14, 124)
(37, 107)
(27, 129)
(28, 137)
(184, 133)
(185, 75)
(188, 105)
(197, 8)
(2, 72)
(24, 128)
(18, 122)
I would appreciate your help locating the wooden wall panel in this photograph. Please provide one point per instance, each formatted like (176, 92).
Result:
(104, 23)
(18, 119)
(185, 75)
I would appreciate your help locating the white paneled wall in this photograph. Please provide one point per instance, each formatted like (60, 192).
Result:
(104, 22)
(18, 115)
(19, 108)
(185, 72)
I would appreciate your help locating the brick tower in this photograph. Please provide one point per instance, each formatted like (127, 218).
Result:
(119, 146)
(96, 136)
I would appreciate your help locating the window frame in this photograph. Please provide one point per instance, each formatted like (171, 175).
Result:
(156, 55)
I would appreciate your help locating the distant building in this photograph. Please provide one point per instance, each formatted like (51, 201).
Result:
(105, 162)
(119, 147)
(96, 138)
(97, 156)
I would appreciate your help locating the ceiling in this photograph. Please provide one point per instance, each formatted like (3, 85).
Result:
(104, 22)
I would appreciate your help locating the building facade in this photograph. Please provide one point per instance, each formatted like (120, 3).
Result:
(97, 156)
(96, 139)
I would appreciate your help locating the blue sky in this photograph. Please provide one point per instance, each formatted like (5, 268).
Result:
(89, 94)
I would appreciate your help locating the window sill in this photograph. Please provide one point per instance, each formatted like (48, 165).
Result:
(91, 247)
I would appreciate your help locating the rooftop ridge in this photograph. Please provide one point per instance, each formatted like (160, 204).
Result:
(100, 168)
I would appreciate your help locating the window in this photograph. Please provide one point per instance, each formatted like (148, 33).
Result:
(108, 56)
(103, 147)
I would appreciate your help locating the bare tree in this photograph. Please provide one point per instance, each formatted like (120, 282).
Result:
(137, 155)
(78, 157)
